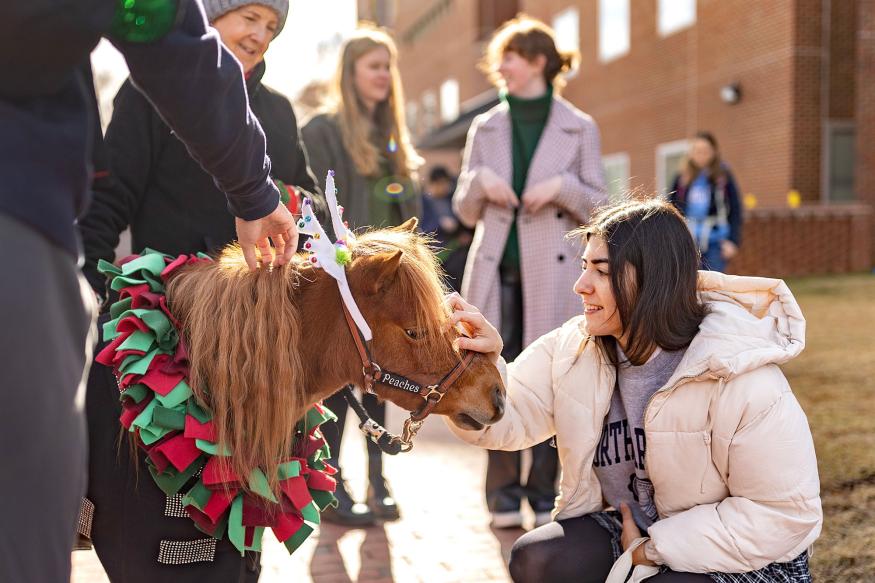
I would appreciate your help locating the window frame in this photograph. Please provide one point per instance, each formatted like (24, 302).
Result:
(457, 107)
(567, 12)
(663, 151)
(617, 158)
(826, 157)
(662, 32)
(614, 56)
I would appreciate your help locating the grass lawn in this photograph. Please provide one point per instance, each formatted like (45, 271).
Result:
(834, 379)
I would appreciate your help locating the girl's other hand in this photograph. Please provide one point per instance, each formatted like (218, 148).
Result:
(479, 335)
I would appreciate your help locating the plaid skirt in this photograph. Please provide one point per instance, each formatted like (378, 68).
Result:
(795, 571)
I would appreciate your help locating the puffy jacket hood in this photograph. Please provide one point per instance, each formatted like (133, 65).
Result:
(752, 321)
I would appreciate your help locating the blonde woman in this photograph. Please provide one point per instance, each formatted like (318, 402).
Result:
(531, 172)
(363, 137)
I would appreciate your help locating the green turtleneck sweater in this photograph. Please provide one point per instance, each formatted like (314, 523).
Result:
(527, 119)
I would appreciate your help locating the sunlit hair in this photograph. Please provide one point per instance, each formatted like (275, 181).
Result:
(242, 330)
(714, 170)
(653, 263)
(528, 37)
(365, 138)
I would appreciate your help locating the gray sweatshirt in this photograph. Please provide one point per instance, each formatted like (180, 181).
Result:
(619, 457)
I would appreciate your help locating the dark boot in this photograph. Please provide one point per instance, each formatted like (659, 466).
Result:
(348, 512)
(380, 498)
(541, 485)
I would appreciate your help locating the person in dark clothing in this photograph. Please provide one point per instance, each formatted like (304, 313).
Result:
(47, 124)
(706, 194)
(171, 205)
(155, 187)
(453, 238)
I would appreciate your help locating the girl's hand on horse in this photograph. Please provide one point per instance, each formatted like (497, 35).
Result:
(481, 336)
(630, 533)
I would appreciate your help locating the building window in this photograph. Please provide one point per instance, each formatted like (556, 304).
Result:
(669, 157)
(429, 111)
(613, 29)
(411, 111)
(449, 100)
(493, 13)
(840, 162)
(675, 15)
(566, 25)
(616, 168)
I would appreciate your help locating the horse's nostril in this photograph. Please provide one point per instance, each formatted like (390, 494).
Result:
(498, 399)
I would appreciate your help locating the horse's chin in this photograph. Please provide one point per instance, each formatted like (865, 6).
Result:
(465, 421)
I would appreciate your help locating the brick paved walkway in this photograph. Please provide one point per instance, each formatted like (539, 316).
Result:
(440, 538)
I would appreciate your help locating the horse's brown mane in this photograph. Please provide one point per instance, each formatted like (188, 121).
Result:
(243, 332)
(419, 280)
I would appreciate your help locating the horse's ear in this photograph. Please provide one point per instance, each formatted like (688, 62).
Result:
(408, 225)
(382, 270)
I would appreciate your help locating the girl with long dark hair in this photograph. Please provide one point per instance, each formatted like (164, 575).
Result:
(684, 452)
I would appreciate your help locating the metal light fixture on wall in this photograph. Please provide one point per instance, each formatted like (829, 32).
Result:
(731, 94)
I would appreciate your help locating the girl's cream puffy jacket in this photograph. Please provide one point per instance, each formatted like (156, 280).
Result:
(729, 449)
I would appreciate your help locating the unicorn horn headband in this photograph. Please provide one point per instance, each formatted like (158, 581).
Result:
(334, 256)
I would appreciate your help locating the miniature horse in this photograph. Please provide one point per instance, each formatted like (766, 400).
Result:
(255, 333)
(268, 344)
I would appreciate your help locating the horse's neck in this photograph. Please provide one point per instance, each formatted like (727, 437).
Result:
(328, 353)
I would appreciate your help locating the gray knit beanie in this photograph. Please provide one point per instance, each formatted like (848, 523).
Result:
(216, 8)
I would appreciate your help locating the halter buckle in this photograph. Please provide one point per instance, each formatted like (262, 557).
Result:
(433, 390)
(371, 376)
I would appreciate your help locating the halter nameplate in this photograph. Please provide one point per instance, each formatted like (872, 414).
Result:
(399, 382)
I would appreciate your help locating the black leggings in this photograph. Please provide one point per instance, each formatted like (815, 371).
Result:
(577, 550)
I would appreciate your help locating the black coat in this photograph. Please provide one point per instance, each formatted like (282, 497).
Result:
(158, 190)
(325, 143)
(47, 109)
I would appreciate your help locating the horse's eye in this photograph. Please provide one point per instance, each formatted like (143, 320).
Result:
(414, 334)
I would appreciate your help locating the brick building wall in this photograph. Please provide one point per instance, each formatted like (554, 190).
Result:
(864, 96)
(842, 47)
(794, 61)
(448, 48)
(811, 240)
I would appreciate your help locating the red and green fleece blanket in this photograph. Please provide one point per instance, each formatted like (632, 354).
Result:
(176, 432)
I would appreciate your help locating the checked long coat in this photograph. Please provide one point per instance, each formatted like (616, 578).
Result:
(549, 263)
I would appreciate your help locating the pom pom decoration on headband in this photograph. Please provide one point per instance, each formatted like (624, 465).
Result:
(332, 256)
